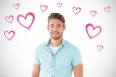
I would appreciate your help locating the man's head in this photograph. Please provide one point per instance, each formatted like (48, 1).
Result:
(56, 25)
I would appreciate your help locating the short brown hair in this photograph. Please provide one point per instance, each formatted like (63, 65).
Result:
(56, 16)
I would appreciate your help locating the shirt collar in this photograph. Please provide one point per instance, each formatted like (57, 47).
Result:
(63, 42)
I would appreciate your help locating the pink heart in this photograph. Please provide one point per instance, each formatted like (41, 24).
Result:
(30, 13)
(76, 10)
(59, 4)
(107, 9)
(9, 18)
(9, 33)
(99, 47)
(93, 13)
(100, 29)
(43, 7)
(16, 6)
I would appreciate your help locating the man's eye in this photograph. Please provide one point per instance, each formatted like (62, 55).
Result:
(52, 26)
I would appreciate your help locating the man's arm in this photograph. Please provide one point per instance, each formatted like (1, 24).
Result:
(36, 70)
(78, 70)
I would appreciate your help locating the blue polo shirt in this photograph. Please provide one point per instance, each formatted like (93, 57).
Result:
(60, 64)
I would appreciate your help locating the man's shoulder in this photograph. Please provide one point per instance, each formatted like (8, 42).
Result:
(70, 44)
(42, 45)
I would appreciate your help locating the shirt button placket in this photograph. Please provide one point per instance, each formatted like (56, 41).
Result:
(53, 66)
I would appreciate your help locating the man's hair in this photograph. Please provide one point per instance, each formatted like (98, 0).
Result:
(56, 16)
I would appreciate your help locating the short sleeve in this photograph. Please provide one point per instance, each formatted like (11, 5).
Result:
(36, 56)
(77, 57)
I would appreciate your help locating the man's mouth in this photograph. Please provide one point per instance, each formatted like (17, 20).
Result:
(55, 33)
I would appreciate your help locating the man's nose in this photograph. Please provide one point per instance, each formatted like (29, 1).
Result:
(55, 28)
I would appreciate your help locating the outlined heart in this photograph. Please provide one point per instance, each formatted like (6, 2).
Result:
(99, 47)
(43, 7)
(94, 28)
(9, 35)
(76, 10)
(107, 9)
(59, 4)
(16, 6)
(9, 18)
(25, 17)
(93, 13)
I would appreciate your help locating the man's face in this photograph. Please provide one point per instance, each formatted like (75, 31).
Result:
(56, 28)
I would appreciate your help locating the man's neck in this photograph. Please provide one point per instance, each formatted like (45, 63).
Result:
(55, 43)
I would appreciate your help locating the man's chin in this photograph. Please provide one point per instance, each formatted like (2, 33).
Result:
(56, 38)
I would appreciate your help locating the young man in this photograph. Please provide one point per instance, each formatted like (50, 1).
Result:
(57, 57)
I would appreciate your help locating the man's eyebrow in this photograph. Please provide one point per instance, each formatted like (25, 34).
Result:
(51, 24)
(59, 24)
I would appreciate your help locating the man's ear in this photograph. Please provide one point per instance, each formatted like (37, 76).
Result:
(64, 27)
(47, 27)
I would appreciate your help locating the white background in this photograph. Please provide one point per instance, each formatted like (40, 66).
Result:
(16, 56)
